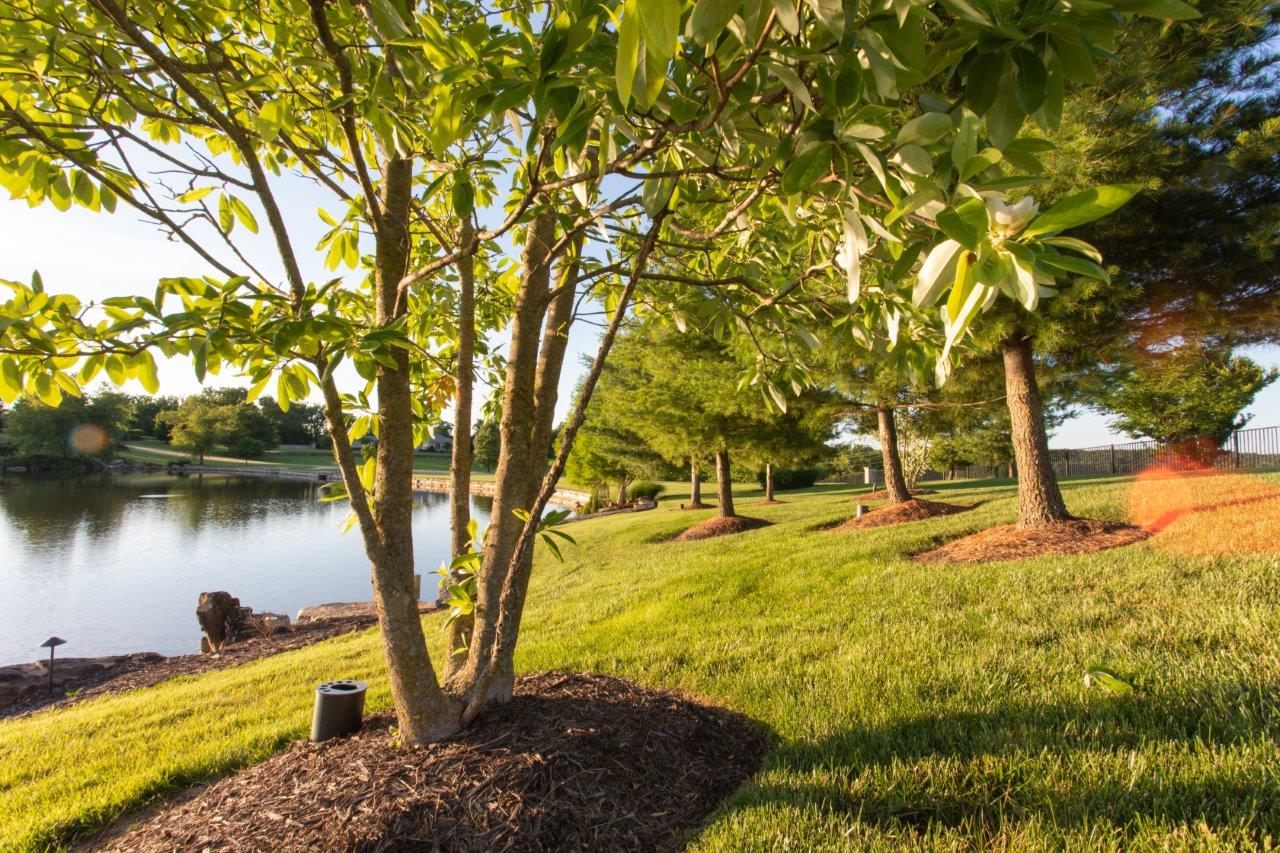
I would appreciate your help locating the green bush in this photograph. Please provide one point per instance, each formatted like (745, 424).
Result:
(785, 479)
(646, 490)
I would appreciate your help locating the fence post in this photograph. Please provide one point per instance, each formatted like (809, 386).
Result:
(1113, 459)
(1235, 447)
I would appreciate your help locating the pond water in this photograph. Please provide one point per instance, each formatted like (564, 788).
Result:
(115, 564)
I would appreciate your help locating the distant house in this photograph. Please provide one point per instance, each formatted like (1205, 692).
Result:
(441, 441)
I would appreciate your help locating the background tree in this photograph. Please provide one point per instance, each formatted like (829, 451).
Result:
(145, 408)
(301, 423)
(40, 430)
(486, 442)
(200, 425)
(1196, 391)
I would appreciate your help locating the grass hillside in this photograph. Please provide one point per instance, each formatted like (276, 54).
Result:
(941, 707)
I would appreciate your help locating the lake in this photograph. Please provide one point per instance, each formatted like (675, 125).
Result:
(115, 564)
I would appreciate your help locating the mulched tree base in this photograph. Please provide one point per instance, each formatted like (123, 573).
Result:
(574, 761)
(883, 494)
(1078, 536)
(912, 510)
(720, 526)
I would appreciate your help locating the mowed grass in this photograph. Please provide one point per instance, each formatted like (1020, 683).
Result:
(162, 453)
(911, 705)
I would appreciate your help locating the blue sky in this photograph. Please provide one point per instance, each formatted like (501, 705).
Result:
(100, 255)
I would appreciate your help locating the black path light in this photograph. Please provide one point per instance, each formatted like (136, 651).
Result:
(51, 644)
(339, 709)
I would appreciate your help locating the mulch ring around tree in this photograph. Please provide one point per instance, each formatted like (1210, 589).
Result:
(883, 494)
(915, 509)
(1078, 536)
(574, 761)
(720, 526)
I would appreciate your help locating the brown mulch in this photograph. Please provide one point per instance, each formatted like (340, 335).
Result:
(1078, 536)
(883, 494)
(149, 670)
(574, 761)
(912, 510)
(721, 526)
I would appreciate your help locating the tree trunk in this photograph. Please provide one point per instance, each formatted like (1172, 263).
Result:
(951, 471)
(894, 480)
(514, 457)
(1039, 499)
(423, 712)
(695, 486)
(724, 484)
(622, 490)
(459, 635)
(1012, 470)
(768, 482)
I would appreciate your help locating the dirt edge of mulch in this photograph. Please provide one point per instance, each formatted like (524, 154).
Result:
(147, 671)
(916, 509)
(883, 494)
(1009, 542)
(720, 526)
(574, 761)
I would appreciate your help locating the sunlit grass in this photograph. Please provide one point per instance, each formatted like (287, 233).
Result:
(911, 704)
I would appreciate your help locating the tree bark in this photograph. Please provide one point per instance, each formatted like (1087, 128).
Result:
(695, 486)
(724, 484)
(768, 482)
(1039, 498)
(622, 490)
(951, 471)
(423, 712)
(520, 462)
(459, 634)
(894, 480)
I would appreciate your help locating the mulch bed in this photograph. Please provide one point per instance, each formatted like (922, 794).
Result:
(720, 526)
(1078, 536)
(883, 494)
(912, 510)
(148, 670)
(574, 761)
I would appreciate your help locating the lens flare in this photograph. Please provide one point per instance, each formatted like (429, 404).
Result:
(1205, 512)
(88, 439)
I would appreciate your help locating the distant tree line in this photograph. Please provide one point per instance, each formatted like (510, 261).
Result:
(94, 425)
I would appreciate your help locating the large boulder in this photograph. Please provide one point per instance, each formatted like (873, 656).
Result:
(221, 618)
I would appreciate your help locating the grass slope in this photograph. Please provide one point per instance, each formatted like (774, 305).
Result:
(912, 705)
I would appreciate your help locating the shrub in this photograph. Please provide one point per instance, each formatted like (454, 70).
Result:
(646, 490)
(785, 479)
(247, 447)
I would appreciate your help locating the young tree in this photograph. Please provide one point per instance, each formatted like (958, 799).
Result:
(200, 425)
(1194, 392)
(487, 443)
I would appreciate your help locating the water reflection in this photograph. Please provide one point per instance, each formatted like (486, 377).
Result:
(114, 564)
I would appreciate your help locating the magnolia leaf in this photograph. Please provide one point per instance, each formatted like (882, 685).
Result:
(660, 21)
(787, 16)
(628, 58)
(965, 222)
(1169, 10)
(937, 271)
(807, 169)
(1076, 246)
(924, 129)
(1106, 679)
(710, 18)
(1082, 207)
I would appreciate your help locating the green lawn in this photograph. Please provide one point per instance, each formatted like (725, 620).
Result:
(911, 705)
(151, 450)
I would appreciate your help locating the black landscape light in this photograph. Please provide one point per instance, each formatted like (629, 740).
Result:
(51, 644)
(339, 709)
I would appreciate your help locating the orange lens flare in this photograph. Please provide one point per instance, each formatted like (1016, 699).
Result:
(1200, 511)
(88, 439)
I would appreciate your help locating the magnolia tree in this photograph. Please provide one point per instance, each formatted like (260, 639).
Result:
(614, 142)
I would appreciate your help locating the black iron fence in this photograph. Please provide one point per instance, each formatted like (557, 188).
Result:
(1253, 449)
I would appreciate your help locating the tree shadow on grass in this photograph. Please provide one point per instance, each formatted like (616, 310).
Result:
(1114, 763)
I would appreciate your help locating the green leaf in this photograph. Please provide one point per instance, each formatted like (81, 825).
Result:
(808, 168)
(146, 372)
(628, 50)
(1072, 265)
(243, 214)
(1169, 10)
(195, 195)
(226, 218)
(831, 14)
(937, 271)
(924, 129)
(462, 195)
(1031, 82)
(1106, 679)
(10, 379)
(1082, 207)
(965, 222)
(660, 21)
(709, 19)
(980, 162)
(788, 17)
(982, 83)
(1076, 246)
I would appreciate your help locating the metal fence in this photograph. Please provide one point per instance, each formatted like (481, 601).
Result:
(1254, 449)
